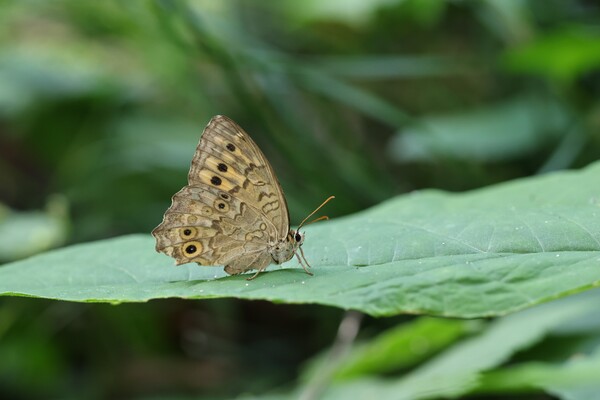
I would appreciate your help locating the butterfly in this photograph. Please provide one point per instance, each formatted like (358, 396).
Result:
(233, 211)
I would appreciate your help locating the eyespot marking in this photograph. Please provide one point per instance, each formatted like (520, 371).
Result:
(192, 249)
(188, 233)
(222, 167)
(230, 147)
(215, 180)
(221, 206)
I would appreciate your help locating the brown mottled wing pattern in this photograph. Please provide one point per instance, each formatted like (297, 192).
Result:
(232, 207)
(227, 152)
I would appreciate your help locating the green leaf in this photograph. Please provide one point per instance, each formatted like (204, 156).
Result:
(494, 133)
(574, 379)
(23, 234)
(397, 348)
(457, 371)
(561, 55)
(403, 346)
(483, 253)
(565, 364)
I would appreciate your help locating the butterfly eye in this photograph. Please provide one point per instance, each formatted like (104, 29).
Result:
(298, 237)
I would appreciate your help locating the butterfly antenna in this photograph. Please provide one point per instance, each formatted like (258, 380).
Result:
(317, 209)
(317, 220)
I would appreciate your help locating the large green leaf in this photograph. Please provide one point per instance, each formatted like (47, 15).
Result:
(483, 253)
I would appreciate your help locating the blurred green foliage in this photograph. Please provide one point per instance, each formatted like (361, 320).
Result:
(103, 102)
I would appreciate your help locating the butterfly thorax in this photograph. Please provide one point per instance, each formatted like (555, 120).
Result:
(285, 249)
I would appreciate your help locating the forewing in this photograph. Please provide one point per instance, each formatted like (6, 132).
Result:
(228, 159)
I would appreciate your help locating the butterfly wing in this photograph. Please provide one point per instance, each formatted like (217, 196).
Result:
(229, 159)
(232, 207)
(210, 227)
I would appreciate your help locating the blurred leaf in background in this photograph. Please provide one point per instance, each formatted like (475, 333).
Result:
(500, 132)
(23, 234)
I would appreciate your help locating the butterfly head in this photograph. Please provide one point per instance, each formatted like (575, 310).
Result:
(285, 249)
(296, 238)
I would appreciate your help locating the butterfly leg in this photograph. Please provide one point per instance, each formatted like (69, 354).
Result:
(302, 264)
(304, 257)
(260, 265)
(255, 274)
(258, 261)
